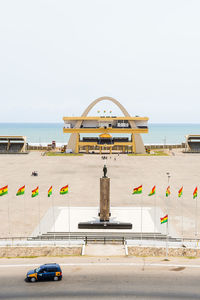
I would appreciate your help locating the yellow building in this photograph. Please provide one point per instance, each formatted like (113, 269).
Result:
(105, 126)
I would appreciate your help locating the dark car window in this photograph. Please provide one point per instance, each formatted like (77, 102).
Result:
(52, 270)
(43, 270)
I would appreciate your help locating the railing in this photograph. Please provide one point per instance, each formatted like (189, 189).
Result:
(99, 238)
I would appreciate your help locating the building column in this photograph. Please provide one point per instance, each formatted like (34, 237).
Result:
(123, 149)
(8, 145)
(100, 149)
(24, 148)
(110, 150)
(77, 143)
(133, 142)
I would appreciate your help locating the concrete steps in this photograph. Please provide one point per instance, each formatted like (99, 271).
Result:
(104, 250)
(103, 237)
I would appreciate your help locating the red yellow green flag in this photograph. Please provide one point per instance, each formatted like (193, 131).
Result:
(164, 219)
(168, 191)
(64, 190)
(50, 191)
(4, 190)
(137, 190)
(35, 192)
(195, 193)
(21, 191)
(180, 192)
(153, 191)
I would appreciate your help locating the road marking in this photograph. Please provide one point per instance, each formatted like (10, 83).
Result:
(105, 265)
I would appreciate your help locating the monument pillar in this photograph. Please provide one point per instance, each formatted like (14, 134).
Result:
(104, 221)
(104, 199)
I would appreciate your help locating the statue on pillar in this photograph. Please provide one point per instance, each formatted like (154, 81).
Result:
(105, 171)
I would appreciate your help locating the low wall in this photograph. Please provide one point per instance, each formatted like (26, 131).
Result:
(154, 251)
(170, 147)
(18, 251)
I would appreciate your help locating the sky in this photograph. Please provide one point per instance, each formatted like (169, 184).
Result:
(58, 56)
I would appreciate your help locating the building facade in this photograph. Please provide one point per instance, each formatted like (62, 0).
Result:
(105, 126)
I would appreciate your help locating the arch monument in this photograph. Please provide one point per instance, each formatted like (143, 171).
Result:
(133, 125)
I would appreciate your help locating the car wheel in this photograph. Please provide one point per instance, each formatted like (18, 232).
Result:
(33, 279)
(55, 278)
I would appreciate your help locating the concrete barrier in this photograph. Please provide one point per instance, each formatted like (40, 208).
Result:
(17, 251)
(161, 251)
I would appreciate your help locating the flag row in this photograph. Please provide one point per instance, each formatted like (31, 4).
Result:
(35, 192)
(138, 190)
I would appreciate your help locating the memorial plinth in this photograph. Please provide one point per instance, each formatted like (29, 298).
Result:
(104, 221)
(104, 199)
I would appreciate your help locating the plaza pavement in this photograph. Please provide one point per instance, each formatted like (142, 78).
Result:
(20, 215)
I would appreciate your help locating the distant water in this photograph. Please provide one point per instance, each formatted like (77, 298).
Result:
(45, 133)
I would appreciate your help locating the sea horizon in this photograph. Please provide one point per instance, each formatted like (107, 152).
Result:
(45, 132)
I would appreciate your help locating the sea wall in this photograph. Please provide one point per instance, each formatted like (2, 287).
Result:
(18, 251)
(157, 251)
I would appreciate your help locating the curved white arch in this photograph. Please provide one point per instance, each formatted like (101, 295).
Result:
(138, 140)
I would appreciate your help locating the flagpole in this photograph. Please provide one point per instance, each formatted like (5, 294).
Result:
(141, 218)
(9, 216)
(167, 228)
(24, 217)
(196, 221)
(154, 217)
(182, 218)
(39, 213)
(167, 238)
(69, 218)
(54, 225)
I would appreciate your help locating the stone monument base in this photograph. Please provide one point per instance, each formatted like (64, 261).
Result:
(104, 225)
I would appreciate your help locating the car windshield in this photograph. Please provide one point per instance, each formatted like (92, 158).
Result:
(37, 270)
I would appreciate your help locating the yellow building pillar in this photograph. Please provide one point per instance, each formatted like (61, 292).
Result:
(100, 149)
(123, 149)
(77, 143)
(110, 150)
(133, 142)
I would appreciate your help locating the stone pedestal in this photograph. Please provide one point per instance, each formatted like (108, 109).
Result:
(104, 221)
(104, 199)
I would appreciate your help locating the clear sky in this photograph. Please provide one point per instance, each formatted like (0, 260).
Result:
(57, 56)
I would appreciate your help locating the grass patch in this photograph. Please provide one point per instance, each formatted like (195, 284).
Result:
(191, 257)
(62, 154)
(156, 153)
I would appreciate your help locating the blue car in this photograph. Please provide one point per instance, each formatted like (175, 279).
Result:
(45, 272)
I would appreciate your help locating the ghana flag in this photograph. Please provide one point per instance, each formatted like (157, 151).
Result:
(153, 191)
(180, 192)
(64, 190)
(195, 193)
(137, 190)
(4, 190)
(50, 191)
(35, 192)
(168, 191)
(21, 191)
(164, 219)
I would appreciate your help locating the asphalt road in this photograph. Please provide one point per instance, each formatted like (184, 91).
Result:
(104, 282)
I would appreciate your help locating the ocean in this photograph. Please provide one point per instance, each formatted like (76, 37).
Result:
(45, 133)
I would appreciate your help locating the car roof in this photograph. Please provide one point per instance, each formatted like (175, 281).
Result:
(50, 265)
